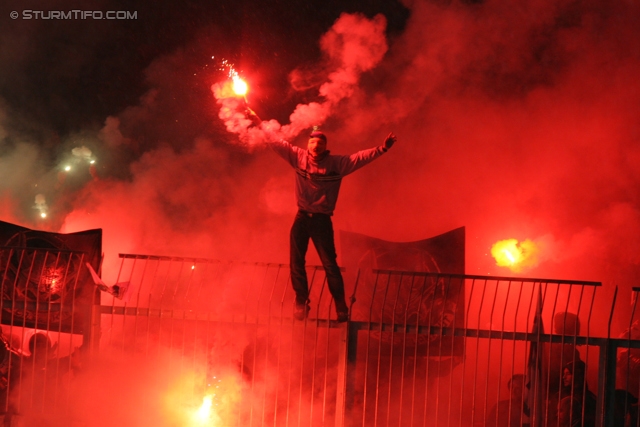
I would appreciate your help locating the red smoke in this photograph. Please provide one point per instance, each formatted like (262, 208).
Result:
(516, 121)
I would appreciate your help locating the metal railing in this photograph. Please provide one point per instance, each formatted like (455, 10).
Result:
(191, 340)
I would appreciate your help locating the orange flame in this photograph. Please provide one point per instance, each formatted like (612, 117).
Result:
(240, 87)
(203, 414)
(515, 255)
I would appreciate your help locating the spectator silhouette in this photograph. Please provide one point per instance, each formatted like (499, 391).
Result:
(555, 356)
(577, 403)
(511, 412)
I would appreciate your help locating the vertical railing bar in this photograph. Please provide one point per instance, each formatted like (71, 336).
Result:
(573, 355)
(575, 340)
(325, 382)
(491, 313)
(384, 301)
(441, 344)
(428, 364)
(551, 328)
(36, 324)
(255, 344)
(453, 347)
(161, 309)
(56, 363)
(404, 347)
(255, 349)
(464, 347)
(635, 303)
(429, 328)
(290, 379)
(198, 321)
(190, 280)
(326, 356)
(3, 292)
(109, 343)
(391, 341)
(315, 348)
(126, 303)
(135, 319)
(366, 363)
(504, 314)
(634, 292)
(72, 322)
(475, 375)
(352, 299)
(73, 310)
(541, 347)
(605, 405)
(161, 301)
(186, 322)
(24, 314)
(586, 359)
(266, 357)
(174, 319)
(280, 333)
(513, 359)
(415, 352)
(149, 303)
(533, 391)
(464, 344)
(304, 345)
(346, 367)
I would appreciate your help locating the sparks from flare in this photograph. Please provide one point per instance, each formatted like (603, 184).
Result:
(239, 86)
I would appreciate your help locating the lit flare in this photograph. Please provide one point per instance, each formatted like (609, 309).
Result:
(515, 255)
(240, 87)
(203, 414)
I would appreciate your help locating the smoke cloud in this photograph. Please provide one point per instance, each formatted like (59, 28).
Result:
(352, 46)
(516, 121)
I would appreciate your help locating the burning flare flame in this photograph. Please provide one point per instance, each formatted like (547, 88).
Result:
(240, 87)
(515, 255)
(203, 414)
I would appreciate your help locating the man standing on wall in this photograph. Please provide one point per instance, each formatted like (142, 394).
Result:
(318, 177)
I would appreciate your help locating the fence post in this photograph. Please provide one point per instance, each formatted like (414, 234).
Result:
(605, 406)
(346, 373)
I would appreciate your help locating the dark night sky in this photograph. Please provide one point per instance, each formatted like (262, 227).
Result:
(516, 120)
(70, 74)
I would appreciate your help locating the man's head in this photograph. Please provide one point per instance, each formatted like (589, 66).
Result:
(317, 143)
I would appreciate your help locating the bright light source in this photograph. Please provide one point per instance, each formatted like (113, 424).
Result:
(43, 215)
(203, 414)
(515, 255)
(67, 168)
(92, 161)
(240, 87)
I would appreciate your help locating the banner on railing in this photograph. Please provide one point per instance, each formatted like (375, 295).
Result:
(392, 286)
(44, 280)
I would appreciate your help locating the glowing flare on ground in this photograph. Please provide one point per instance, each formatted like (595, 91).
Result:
(203, 414)
(515, 255)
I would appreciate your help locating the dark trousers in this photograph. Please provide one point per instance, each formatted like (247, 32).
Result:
(318, 228)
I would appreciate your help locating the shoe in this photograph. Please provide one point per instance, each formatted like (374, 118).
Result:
(342, 311)
(301, 311)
